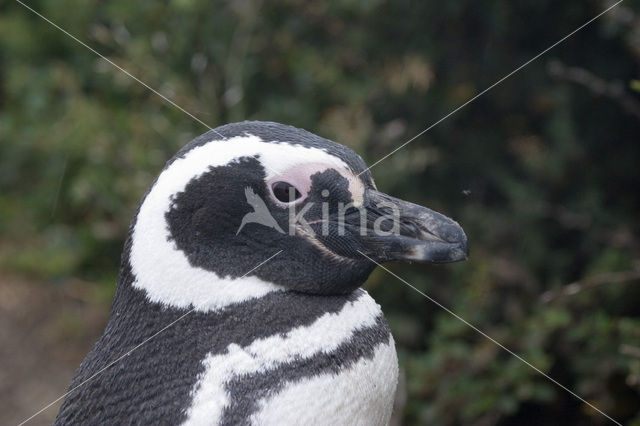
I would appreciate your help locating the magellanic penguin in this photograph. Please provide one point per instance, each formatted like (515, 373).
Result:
(294, 341)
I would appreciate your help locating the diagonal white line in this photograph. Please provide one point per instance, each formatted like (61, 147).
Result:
(126, 354)
(121, 69)
(492, 86)
(476, 329)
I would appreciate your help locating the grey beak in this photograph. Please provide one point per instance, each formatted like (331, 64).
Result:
(398, 230)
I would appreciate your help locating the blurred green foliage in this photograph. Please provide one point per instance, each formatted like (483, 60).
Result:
(542, 171)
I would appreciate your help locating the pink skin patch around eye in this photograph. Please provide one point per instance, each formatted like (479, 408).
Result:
(300, 178)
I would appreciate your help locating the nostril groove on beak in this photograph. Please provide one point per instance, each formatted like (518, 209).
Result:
(409, 228)
(449, 232)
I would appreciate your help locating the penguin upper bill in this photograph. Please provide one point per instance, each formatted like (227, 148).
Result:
(380, 227)
(411, 232)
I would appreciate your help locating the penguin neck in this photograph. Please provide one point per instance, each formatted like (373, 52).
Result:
(173, 283)
(240, 317)
(201, 290)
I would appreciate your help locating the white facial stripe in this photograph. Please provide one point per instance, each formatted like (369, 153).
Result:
(356, 188)
(324, 335)
(160, 268)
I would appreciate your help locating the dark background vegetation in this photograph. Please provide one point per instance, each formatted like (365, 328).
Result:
(542, 172)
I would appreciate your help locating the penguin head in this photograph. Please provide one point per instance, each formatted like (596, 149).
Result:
(239, 194)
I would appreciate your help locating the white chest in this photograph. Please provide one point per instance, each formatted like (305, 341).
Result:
(360, 395)
(330, 372)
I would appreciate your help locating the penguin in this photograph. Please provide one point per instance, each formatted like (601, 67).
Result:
(234, 311)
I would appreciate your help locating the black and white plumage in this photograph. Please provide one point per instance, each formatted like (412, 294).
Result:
(296, 341)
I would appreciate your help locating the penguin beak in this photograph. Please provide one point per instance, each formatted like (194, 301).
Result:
(398, 230)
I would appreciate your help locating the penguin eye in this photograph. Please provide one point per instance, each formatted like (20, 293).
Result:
(285, 192)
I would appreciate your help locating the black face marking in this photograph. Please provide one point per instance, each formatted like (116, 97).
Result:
(153, 385)
(336, 185)
(329, 190)
(248, 390)
(204, 218)
(339, 234)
